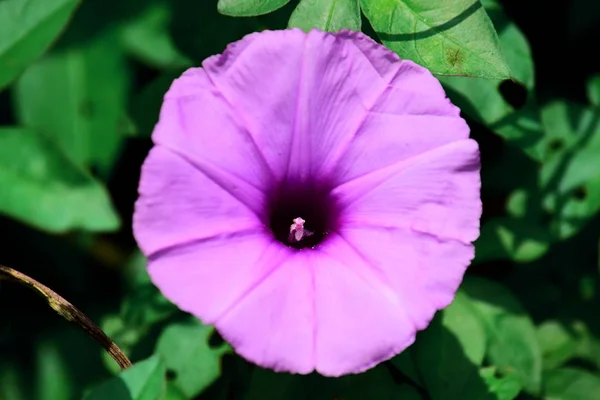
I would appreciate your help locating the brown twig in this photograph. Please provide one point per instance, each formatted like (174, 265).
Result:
(69, 312)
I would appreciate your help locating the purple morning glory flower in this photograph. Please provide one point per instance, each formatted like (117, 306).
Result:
(312, 196)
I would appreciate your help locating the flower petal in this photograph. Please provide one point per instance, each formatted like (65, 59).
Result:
(208, 277)
(178, 204)
(293, 93)
(437, 192)
(360, 321)
(422, 270)
(258, 77)
(385, 139)
(274, 324)
(197, 123)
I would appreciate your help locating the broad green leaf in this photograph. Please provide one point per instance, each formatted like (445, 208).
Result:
(185, 349)
(147, 38)
(483, 101)
(27, 28)
(143, 381)
(326, 15)
(512, 342)
(505, 387)
(451, 350)
(569, 174)
(593, 90)
(172, 392)
(557, 342)
(46, 189)
(449, 38)
(515, 239)
(83, 103)
(571, 384)
(248, 8)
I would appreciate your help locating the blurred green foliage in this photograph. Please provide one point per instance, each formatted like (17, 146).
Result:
(82, 83)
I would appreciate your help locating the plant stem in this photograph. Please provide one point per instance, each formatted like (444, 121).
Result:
(69, 312)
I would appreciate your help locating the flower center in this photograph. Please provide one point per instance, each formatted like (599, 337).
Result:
(301, 216)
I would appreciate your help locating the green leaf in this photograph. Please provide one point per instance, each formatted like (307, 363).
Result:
(569, 174)
(515, 239)
(27, 28)
(558, 344)
(147, 38)
(562, 342)
(46, 189)
(92, 85)
(143, 381)
(505, 387)
(512, 342)
(571, 384)
(593, 90)
(326, 15)
(482, 100)
(450, 351)
(448, 38)
(185, 349)
(249, 8)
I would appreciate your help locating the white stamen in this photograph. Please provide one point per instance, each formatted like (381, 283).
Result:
(297, 231)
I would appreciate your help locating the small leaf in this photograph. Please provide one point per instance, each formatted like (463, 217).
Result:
(143, 381)
(27, 28)
(46, 189)
(515, 239)
(147, 38)
(512, 342)
(248, 8)
(448, 38)
(83, 106)
(571, 384)
(185, 349)
(326, 15)
(557, 343)
(505, 387)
